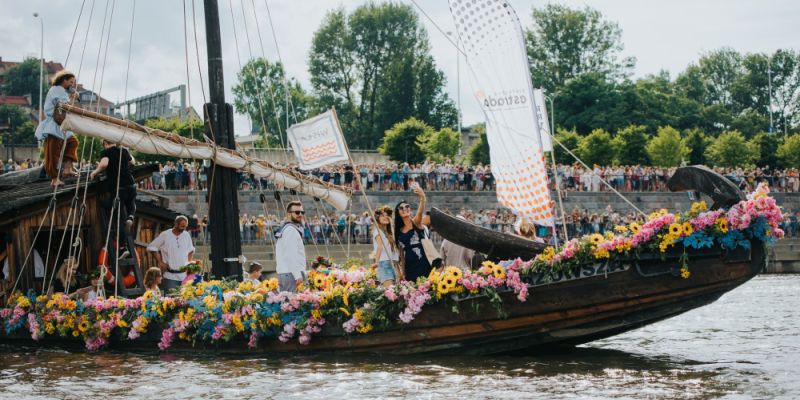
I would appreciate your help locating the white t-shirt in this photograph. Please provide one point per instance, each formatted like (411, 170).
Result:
(174, 251)
(387, 252)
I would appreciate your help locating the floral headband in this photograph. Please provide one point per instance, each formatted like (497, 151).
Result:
(384, 209)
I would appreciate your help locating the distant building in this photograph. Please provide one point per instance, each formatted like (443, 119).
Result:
(169, 103)
(50, 69)
(23, 102)
(89, 100)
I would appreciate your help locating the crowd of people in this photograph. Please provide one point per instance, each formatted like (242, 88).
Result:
(452, 177)
(447, 176)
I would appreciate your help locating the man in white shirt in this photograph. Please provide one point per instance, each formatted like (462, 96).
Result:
(290, 253)
(173, 249)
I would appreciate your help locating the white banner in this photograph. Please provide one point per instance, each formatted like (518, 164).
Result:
(492, 40)
(318, 141)
(544, 121)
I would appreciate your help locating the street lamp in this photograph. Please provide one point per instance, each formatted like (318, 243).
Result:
(769, 85)
(41, 64)
(458, 81)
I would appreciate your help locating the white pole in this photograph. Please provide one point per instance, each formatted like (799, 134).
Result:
(41, 64)
(458, 85)
(769, 83)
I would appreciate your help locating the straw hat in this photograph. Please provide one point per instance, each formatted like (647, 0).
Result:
(60, 74)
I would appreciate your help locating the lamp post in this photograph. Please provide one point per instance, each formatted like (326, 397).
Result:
(769, 85)
(41, 62)
(458, 82)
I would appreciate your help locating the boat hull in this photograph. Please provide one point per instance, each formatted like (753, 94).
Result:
(594, 304)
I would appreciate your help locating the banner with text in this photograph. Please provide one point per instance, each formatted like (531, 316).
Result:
(492, 39)
(318, 141)
(544, 121)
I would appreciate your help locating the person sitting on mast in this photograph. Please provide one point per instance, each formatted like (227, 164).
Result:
(59, 146)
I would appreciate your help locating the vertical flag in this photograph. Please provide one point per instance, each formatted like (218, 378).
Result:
(318, 141)
(544, 120)
(494, 45)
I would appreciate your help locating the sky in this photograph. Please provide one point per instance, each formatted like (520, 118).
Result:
(661, 35)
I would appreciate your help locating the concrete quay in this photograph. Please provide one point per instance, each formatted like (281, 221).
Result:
(191, 202)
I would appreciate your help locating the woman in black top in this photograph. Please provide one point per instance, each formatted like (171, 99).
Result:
(408, 233)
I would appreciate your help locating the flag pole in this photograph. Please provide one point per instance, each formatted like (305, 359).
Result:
(357, 176)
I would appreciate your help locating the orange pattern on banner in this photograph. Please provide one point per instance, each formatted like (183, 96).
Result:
(523, 188)
(325, 149)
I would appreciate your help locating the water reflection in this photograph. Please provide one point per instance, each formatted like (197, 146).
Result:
(743, 346)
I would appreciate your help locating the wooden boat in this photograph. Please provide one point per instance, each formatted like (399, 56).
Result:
(592, 302)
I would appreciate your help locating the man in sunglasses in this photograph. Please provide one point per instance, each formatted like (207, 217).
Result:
(290, 253)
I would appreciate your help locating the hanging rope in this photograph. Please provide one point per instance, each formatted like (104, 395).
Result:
(72, 216)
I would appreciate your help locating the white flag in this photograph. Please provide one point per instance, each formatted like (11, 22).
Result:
(318, 141)
(544, 121)
(494, 46)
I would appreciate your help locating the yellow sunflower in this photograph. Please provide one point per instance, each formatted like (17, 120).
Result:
(685, 274)
(620, 229)
(675, 229)
(687, 229)
(499, 272)
(722, 225)
(595, 239)
(83, 326)
(699, 207)
(634, 227)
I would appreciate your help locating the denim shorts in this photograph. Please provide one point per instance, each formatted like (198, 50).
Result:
(386, 271)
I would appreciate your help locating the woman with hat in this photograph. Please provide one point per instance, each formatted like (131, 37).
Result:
(59, 146)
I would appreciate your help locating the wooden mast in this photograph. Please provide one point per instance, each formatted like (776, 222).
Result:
(223, 210)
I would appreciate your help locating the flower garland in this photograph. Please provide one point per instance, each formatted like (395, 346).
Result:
(218, 311)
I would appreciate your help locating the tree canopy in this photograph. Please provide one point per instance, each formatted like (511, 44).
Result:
(401, 142)
(21, 121)
(374, 65)
(261, 94)
(565, 43)
(731, 149)
(667, 149)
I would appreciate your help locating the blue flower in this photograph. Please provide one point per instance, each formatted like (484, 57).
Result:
(698, 240)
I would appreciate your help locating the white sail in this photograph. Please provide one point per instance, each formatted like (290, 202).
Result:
(494, 45)
(145, 140)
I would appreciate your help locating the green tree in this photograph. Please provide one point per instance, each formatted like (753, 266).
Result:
(767, 144)
(731, 149)
(478, 152)
(597, 148)
(401, 142)
(666, 149)
(261, 94)
(697, 142)
(23, 79)
(23, 127)
(630, 144)
(570, 140)
(439, 145)
(565, 43)
(187, 129)
(374, 65)
(591, 101)
(789, 152)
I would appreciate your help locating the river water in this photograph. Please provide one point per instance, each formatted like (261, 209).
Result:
(746, 345)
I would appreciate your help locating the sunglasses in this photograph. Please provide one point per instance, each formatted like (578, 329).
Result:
(297, 212)
(404, 207)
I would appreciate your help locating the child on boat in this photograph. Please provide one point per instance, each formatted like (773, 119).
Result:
(254, 273)
(384, 248)
(152, 279)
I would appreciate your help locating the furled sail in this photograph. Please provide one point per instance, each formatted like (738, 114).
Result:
(153, 141)
(491, 37)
